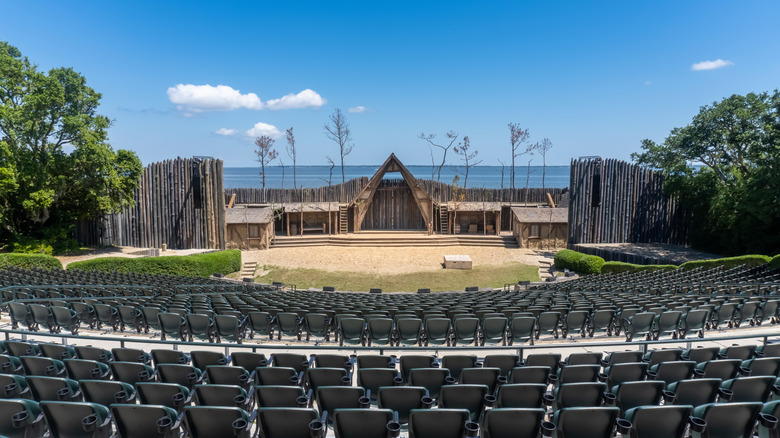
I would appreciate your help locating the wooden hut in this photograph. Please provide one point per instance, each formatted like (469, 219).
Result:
(540, 228)
(249, 226)
(473, 217)
(311, 217)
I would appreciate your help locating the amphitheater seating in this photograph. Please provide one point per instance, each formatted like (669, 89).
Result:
(641, 305)
(91, 391)
(208, 393)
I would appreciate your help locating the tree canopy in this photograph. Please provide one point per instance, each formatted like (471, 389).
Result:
(724, 167)
(56, 165)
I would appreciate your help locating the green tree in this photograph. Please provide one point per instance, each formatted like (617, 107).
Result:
(723, 166)
(56, 165)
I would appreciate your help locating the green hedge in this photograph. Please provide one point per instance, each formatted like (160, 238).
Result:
(28, 261)
(588, 264)
(578, 262)
(775, 262)
(617, 267)
(196, 265)
(750, 260)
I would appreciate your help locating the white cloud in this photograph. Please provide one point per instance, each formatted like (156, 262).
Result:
(711, 65)
(304, 99)
(648, 82)
(358, 109)
(198, 98)
(261, 129)
(191, 99)
(225, 131)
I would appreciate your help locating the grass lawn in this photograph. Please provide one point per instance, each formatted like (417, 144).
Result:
(445, 279)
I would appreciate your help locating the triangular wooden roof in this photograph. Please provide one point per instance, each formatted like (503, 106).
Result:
(363, 200)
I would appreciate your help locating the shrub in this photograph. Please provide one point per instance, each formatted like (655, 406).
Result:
(750, 260)
(28, 261)
(53, 240)
(617, 267)
(567, 259)
(775, 262)
(590, 264)
(196, 265)
(578, 262)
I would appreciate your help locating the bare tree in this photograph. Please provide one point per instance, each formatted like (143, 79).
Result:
(528, 175)
(464, 150)
(503, 165)
(543, 147)
(330, 170)
(517, 136)
(330, 188)
(284, 195)
(338, 131)
(265, 153)
(451, 136)
(433, 163)
(291, 152)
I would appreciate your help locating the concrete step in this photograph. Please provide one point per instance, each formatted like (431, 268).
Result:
(248, 269)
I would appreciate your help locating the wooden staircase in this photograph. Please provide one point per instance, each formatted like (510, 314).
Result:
(444, 219)
(343, 219)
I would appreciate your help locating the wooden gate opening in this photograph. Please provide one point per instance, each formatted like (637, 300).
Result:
(393, 208)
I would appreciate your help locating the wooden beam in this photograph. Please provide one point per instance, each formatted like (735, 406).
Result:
(232, 200)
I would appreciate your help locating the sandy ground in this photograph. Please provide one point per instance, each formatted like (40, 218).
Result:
(387, 260)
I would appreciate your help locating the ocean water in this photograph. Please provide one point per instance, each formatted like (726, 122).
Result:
(316, 176)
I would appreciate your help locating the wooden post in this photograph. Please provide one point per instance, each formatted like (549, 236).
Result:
(287, 215)
(454, 220)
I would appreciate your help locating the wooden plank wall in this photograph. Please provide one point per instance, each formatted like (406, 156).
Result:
(345, 193)
(164, 211)
(633, 206)
(442, 192)
(393, 208)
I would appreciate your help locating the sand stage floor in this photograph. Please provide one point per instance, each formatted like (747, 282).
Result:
(377, 259)
(386, 260)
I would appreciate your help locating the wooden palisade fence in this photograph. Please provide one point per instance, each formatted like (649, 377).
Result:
(613, 201)
(178, 203)
(342, 193)
(346, 193)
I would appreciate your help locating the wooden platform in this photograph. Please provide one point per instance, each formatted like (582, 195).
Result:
(643, 253)
(457, 262)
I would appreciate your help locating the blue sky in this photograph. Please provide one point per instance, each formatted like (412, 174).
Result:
(593, 77)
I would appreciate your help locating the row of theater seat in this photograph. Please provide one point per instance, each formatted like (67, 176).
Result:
(499, 317)
(300, 404)
(73, 419)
